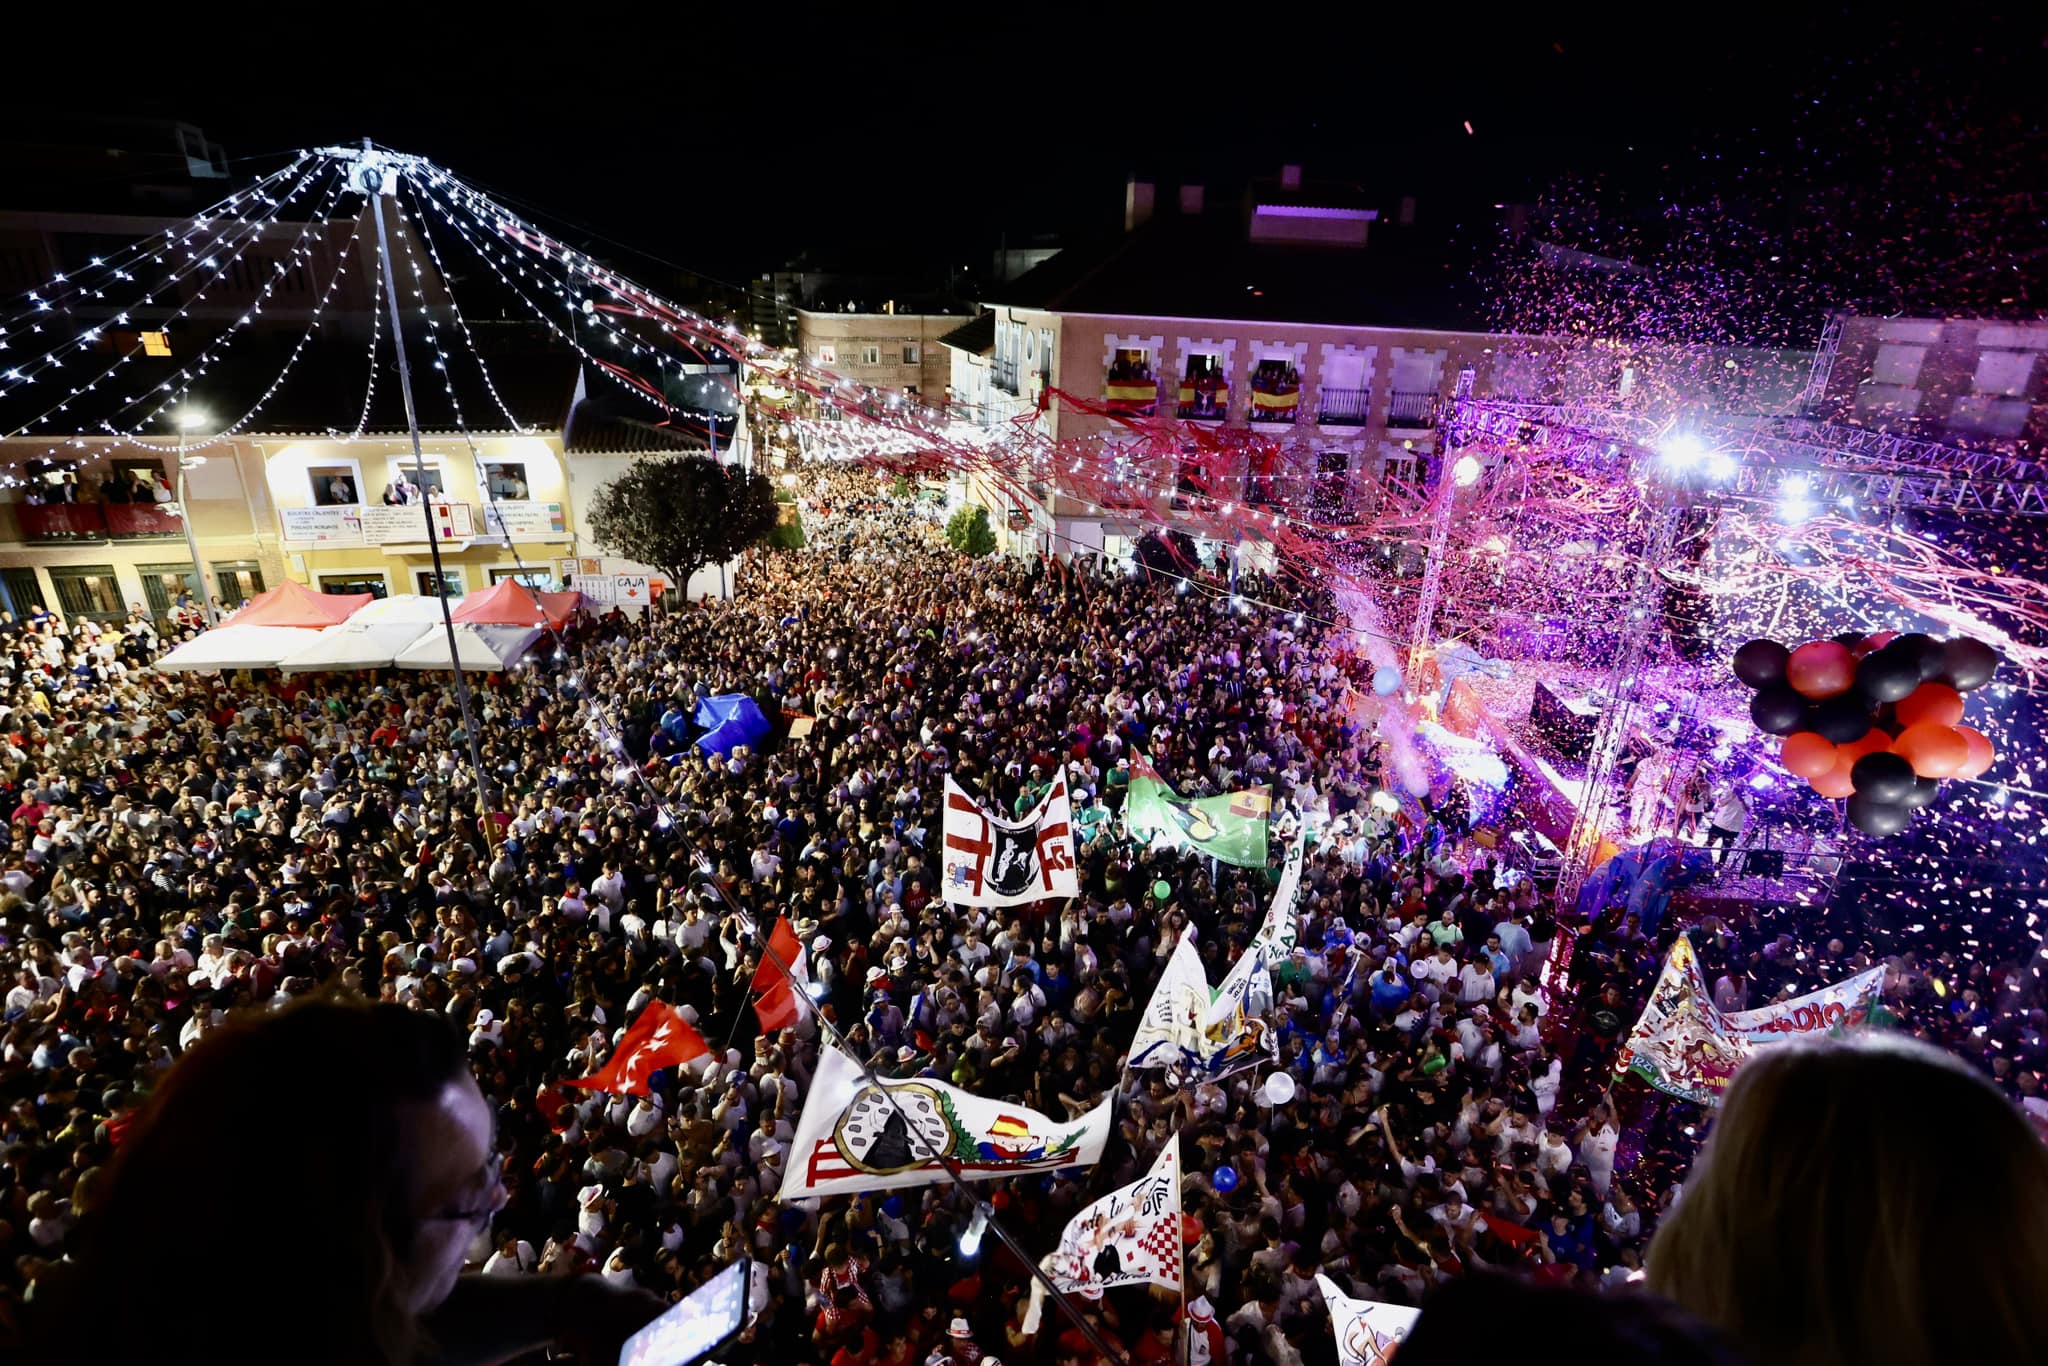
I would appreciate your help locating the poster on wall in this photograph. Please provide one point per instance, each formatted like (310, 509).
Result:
(337, 525)
(566, 570)
(527, 521)
(404, 525)
(631, 590)
(595, 588)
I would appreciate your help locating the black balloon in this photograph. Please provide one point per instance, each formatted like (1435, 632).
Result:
(1760, 663)
(1849, 638)
(1888, 675)
(1925, 790)
(1887, 777)
(1777, 710)
(1967, 663)
(1840, 719)
(1924, 650)
(1874, 817)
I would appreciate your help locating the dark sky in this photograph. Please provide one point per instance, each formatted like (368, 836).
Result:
(727, 137)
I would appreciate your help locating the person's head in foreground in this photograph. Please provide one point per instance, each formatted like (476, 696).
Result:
(1864, 1201)
(349, 1161)
(1558, 1325)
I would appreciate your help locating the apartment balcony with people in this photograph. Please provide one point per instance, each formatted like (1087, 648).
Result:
(1204, 392)
(1276, 393)
(1132, 385)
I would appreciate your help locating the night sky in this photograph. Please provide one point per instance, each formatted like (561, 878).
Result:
(727, 138)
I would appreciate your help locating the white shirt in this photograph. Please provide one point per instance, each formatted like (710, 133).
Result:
(522, 1261)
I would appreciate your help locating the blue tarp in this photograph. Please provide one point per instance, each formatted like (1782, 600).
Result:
(730, 720)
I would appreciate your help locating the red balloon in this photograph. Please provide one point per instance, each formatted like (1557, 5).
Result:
(1808, 754)
(1982, 755)
(1873, 643)
(1820, 669)
(1932, 703)
(1873, 740)
(1835, 783)
(1934, 751)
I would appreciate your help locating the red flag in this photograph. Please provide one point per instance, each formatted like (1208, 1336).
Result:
(659, 1038)
(774, 996)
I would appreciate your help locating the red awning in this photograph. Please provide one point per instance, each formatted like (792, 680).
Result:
(509, 602)
(293, 604)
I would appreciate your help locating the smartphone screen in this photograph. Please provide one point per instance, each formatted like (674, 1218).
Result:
(698, 1323)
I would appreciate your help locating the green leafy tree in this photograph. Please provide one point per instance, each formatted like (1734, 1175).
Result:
(969, 533)
(683, 513)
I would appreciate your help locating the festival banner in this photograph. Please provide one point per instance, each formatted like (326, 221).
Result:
(1131, 1236)
(1281, 930)
(1367, 1331)
(1231, 828)
(659, 1038)
(987, 861)
(525, 521)
(853, 1135)
(1198, 1032)
(1684, 1046)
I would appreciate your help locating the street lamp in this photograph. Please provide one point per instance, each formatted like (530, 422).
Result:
(189, 420)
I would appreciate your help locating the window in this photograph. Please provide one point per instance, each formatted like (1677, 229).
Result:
(427, 477)
(350, 583)
(452, 583)
(871, 355)
(506, 480)
(1131, 362)
(137, 481)
(539, 580)
(2004, 373)
(237, 581)
(1896, 364)
(156, 343)
(88, 590)
(163, 583)
(24, 594)
(828, 354)
(910, 355)
(335, 485)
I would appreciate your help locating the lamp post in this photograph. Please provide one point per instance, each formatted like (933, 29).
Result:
(187, 420)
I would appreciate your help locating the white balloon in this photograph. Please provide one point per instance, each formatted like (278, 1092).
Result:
(1279, 1088)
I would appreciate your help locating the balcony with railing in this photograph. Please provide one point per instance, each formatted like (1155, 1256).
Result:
(1276, 394)
(1131, 389)
(56, 523)
(1344, 407)
(1204, 393)
(1411, 409)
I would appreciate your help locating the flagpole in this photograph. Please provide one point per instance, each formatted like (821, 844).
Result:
(952, 1171)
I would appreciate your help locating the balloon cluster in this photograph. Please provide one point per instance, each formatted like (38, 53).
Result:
(1876, 719)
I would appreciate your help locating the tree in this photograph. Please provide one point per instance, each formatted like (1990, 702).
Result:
(682, 513)
(968, 532)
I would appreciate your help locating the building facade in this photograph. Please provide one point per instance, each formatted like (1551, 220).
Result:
(891, 350)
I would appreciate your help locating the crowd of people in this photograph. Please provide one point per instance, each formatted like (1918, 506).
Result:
(188, 852)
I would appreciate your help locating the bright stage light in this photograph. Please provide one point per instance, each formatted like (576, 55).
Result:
(1466, 471)
(1683, 451)
(1792, 504)
(1722, 465)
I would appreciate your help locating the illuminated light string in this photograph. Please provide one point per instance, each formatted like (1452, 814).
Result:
(249, 230)
(376, 335)
(47, 298)
(254, 233)
(462, 324)
(277, 382)
(301, 255)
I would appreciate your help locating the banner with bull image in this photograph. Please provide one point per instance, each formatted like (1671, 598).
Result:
(854, 1135)
(1367, 1331)
(1686, 1047)
(986, 861)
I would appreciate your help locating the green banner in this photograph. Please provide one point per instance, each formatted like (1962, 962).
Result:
(1231, 828)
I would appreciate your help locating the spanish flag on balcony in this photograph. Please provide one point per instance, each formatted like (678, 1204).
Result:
(1130, 395)
(1263, 402)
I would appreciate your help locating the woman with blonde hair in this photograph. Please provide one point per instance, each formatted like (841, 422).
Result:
(1866, 1200)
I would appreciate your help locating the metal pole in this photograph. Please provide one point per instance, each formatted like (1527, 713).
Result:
(192, 539)
(375, 193)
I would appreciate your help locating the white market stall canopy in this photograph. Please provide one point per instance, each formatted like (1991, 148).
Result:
(238, 647)
(373, 638)
(485, 649)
